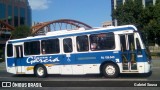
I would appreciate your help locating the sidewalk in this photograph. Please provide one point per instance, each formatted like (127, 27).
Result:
(155, 58)
(2, 66)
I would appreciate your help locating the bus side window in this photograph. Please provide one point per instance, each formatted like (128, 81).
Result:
(50, 46)
(82, 43)
(67, 44)
(43, 45)
(32, 48)
(123, 43)
(131, 42)
(139, 52)
(102, 41)
(9, 50)
(17, 52)
(94, 42)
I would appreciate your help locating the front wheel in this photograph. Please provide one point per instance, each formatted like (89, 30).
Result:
(40, 71)
(110, 70)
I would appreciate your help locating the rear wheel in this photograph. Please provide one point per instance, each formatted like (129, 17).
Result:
(40, 71)
(110, 70)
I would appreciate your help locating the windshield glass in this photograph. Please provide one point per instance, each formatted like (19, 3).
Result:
(145, 44)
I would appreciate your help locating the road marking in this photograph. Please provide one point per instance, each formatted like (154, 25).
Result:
(155, 67)
(120, 79)
(103, 79)
(3, 77)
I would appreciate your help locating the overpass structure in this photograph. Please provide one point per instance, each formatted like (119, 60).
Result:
(42, 28)
(61, 24)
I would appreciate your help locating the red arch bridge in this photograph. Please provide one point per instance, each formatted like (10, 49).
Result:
(41, 28)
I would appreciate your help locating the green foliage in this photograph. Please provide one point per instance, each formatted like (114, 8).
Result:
(21, 32)
(1, 55)
(128, 13)
(146, 19)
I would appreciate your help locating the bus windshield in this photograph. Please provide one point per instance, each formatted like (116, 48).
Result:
(145, 44)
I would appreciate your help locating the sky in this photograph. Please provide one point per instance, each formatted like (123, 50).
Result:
(91, 12)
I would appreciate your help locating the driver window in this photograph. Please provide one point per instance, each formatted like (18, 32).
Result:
(139, 52)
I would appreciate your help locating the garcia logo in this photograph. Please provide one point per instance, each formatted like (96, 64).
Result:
(34, 59)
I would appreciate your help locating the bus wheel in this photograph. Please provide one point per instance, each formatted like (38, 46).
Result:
(40, 71)
(110, 70)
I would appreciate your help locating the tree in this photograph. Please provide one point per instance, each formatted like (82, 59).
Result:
(2, 58)
(147, 19)
(150, 22)
(128, 13)
(21, 32)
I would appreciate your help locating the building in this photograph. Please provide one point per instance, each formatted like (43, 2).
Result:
(107, 23)
(115, 3)
(15, 12)
(145, 3)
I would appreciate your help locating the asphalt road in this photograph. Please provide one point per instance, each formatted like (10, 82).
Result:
(94, 79)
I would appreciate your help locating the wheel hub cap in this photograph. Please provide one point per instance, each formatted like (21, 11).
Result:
(110, 70)
(40, 71)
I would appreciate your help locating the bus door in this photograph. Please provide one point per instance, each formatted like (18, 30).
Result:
(129, 54)
(67, 56)
(18, 58)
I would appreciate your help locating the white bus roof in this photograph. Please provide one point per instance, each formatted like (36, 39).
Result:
(66, 33)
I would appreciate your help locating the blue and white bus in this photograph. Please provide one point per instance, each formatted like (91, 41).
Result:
(108, 51)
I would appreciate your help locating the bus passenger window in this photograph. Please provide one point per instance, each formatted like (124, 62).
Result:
(93, 46)
(123, 43)
(131, 42)
(50, 46)
(67, 44)
(103, 41)
(32, 48)
(9, 50)
(82, 43)
(94, 42)
(43, 47)
(139, 52)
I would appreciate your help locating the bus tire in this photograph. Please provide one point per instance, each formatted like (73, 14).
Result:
(110, 70)
(40, 71)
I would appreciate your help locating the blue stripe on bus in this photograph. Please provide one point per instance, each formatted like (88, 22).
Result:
(77, 34)
(77, 58)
